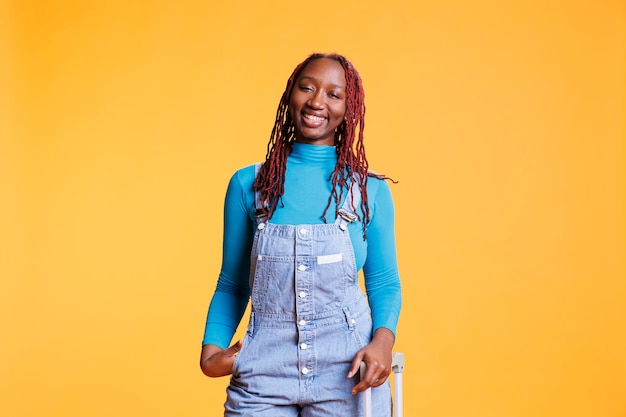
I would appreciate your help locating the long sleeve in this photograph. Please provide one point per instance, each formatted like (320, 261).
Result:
(382, 280)
(233, 290)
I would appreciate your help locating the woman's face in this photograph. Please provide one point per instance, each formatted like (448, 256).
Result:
(317, 104)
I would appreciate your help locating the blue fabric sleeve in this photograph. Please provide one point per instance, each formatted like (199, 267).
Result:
(233, 290)
(382, 280)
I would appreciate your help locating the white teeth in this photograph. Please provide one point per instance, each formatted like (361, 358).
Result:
(314, 118)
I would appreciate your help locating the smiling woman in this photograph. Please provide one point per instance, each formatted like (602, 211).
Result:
(297, 230)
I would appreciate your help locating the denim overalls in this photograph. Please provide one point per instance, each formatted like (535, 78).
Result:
(309, 318)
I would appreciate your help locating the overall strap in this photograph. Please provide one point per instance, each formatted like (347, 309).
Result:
(258, 213)
(346, 213)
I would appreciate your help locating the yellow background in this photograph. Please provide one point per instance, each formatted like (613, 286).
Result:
(121, 122)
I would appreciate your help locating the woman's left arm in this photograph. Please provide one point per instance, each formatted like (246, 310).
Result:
(382, 284)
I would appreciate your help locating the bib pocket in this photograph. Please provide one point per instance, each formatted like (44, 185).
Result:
(273, 281)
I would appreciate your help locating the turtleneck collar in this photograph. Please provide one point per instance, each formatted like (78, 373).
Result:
(313, 154)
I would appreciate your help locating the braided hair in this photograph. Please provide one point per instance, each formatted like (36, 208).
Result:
(351, 164)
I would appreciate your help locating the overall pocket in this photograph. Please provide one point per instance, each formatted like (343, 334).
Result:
(273, 287)
(360, 326)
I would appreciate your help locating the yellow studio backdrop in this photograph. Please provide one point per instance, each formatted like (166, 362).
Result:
(121, 123)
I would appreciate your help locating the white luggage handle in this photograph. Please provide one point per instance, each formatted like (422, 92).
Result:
(397, 367)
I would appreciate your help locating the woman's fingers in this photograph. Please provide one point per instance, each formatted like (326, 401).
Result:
(375, 375)
(356, 364)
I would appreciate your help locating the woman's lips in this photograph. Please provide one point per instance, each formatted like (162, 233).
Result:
(313, 120)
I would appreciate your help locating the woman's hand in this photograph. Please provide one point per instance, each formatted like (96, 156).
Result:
(215, 361)
(377, 358)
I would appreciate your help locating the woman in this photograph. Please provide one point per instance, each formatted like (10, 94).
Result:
(297, 229)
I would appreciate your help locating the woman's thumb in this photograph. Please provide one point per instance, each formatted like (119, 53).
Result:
(235, 348)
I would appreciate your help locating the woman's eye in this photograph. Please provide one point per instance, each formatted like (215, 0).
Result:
(306, 88)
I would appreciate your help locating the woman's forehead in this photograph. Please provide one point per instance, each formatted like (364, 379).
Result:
(325, 69)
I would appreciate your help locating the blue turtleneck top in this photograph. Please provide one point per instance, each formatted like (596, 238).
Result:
(307, 188)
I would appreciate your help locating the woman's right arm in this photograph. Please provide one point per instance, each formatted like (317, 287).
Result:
(233, 291)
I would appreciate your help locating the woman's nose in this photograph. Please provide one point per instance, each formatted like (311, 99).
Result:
(317, 100)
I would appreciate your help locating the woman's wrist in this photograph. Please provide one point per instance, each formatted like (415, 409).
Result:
(384, 337)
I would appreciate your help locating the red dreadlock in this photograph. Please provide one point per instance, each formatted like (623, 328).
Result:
(352, 163)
